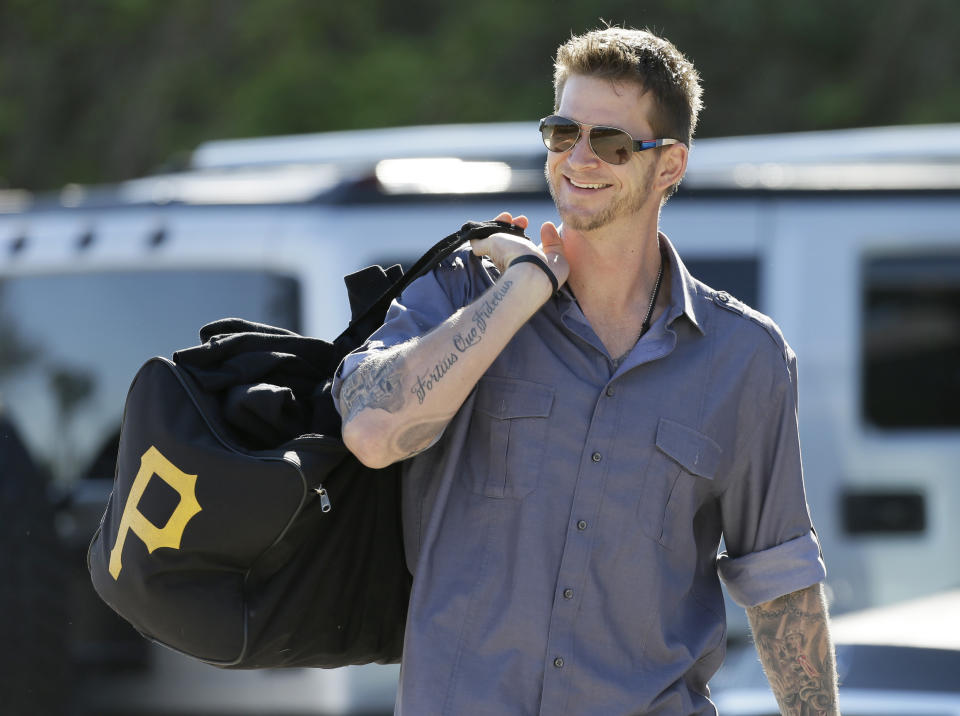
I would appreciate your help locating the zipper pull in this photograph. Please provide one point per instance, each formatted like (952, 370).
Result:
(325, 505)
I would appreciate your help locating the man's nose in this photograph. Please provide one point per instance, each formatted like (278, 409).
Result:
(582, 153)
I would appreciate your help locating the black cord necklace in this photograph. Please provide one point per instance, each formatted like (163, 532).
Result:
(646, 319)
(653, 301)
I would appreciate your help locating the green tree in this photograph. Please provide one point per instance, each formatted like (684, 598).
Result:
(108, 89)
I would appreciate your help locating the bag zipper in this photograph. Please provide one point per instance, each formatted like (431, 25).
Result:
(325, 505)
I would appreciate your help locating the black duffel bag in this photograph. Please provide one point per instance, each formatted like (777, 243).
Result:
(240, 530)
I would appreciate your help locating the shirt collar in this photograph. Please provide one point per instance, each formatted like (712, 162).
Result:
(683, 287)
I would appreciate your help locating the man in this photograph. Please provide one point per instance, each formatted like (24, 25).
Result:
(34, 660)
(581, 451)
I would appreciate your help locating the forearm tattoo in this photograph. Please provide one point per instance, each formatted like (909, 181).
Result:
(793, 642)
(463, 340)
(383, 381)
(376, 383)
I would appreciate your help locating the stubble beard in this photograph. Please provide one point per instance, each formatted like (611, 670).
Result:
(622, 206)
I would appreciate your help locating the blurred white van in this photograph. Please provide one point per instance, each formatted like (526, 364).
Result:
(850, 240)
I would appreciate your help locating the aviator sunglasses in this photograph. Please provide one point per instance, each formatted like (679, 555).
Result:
(612, 145)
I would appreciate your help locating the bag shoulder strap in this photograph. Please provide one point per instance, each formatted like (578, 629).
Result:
(371, 319)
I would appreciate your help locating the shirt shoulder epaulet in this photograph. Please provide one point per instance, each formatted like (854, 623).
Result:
(724, 300)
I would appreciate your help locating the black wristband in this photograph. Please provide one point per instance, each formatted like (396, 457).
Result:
(534, 259)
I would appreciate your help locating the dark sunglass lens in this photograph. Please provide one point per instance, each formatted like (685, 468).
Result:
(559, 134)
(613, 146)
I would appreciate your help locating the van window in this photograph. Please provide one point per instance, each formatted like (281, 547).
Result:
(911, 340)
(71, 343)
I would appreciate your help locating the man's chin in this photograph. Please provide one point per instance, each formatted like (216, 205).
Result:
(577, 220)
(585, 221)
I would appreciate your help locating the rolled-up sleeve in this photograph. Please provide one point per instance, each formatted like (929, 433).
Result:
(763, 576)
(772, 548)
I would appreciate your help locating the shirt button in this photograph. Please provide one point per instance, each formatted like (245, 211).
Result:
(568, 593)
(610, 391)
(558, 662)
(582, 525)
(597, 457)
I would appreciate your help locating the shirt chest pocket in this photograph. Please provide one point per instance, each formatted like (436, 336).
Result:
(509, 433)
(678, 478)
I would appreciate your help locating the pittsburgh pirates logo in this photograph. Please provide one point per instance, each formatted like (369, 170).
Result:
(153, 463)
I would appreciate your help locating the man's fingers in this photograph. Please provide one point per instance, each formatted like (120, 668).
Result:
(550, 238)
(552, 246)
(504, 248)
(507, 217)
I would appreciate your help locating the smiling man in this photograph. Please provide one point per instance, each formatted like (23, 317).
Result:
(582, 421)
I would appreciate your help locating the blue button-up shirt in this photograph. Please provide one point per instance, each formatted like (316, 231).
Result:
(563, 532)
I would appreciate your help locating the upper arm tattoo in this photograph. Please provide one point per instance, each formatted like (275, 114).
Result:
(376, 383)
(793, 641)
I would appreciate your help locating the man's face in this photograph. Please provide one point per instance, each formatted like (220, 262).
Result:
(588, 192)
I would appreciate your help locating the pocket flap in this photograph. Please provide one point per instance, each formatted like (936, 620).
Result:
(696, 453)
(505, 398)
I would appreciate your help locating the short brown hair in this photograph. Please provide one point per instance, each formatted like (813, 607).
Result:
(638, 56)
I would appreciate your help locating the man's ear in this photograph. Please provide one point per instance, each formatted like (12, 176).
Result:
(671, 166)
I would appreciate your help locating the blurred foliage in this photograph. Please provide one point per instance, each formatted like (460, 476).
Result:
(99, 90)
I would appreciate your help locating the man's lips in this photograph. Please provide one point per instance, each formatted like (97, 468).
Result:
(585, 185)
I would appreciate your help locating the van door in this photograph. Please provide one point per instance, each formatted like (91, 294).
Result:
(867, 290)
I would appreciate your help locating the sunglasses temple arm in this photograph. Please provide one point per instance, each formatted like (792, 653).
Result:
(640, 144)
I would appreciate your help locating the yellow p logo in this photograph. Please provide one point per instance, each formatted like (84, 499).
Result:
(153, 463)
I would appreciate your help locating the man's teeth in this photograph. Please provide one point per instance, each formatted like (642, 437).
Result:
(587, 186)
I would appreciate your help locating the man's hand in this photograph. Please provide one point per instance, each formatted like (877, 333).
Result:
(793, 640)
(501, 249)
